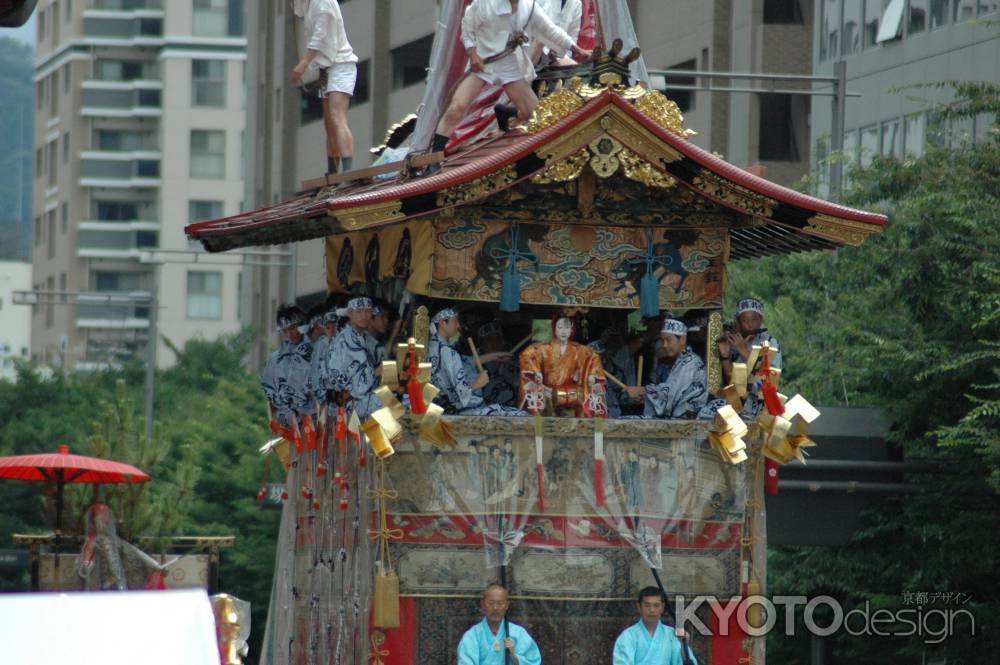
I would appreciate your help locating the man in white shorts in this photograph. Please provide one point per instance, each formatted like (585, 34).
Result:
(494, 33)
(567, 14)
(328, 49)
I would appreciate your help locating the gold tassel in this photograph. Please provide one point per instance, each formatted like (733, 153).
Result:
(385, 608)
(385, 612)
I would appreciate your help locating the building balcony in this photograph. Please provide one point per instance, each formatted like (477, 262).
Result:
(138, 25)
(121, 101)
(125, 226)
(116, 244)
(112, 309)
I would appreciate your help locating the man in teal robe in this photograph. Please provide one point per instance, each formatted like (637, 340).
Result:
(649, 641)
(485, 642)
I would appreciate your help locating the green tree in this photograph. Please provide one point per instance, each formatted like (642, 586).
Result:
(904, 322)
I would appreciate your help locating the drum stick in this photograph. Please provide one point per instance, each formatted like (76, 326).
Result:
(615, 380)
(638, 374)
(475, 355)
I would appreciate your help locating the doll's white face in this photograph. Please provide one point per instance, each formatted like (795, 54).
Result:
(564, 329)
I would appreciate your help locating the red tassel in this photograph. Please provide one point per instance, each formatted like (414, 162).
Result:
(284, 494)
(770, 476)
(340, 431)
(309, 432)
(321, 469)
(299, 448)
(343, 504)
(771, 399)
(541, 490)
(306, 492)
(599, 481)
(261, 495)
(315, 504)
(416, 393)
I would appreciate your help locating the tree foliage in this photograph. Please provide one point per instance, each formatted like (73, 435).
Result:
(906, 322)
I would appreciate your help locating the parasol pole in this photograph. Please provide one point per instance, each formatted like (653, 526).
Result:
(659, 583)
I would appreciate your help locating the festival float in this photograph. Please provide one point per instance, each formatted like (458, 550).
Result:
(598, 206)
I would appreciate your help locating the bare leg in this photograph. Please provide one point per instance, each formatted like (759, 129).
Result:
(523, 97)
(461, 99)
(339, 140)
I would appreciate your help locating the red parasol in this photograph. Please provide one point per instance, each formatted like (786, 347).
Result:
(62, 467)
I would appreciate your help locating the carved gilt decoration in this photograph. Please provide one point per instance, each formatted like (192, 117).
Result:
(366, 215)
(714, 364)
(846, 231)
(478, 188)
(736, 195)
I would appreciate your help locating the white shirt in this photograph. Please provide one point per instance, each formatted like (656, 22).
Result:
(567, 16)
(487, 25)
(324, 28)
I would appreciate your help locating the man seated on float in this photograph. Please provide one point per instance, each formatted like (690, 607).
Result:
(503, 371)
(618, 355)
(679, 389)
(350, 371)
(321, 334)
(285, 378)
(486, 642)
(649, 641)
(379, 337)
(735, 346)
(567, 374)
(494, 33)
(566, 14)
(458, 395)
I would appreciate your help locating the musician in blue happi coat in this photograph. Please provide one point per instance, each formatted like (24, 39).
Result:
(323, 329)
(735, 346)
(285, 379)
(679, 387)
(458, 395)
(485, 642)
(649, 641)
(349, 365)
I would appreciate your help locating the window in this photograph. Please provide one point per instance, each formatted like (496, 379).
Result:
(201, 210)
(147, 239)
(40, 95)
(683, 98)
(64, 217)
(151, 27)
(38, 231)
(939, 13)
(914, 135)
(123, 141)
(963, 10)
(892, 139)
(66, 78)
(850, 148)
(777, 136)
(54, 93)
(147, 168)
(208, 82)
(891, 26)
(852, 27)
(150, 98)
(65, 147)
(211, 18)
(39, 162)
(869, 144)
(50, 234)
(874, 10)
(113, 211)
(118, 70)
(782, 12)
(409, 62)
(50, 285)
(829, 39)
(204, 295)
(985, 7)
(208, 154)
(53, 162)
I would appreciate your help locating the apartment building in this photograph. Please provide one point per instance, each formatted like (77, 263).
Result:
(890, 49)
(138, 130)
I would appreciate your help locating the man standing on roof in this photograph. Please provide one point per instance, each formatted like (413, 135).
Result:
(330, 57)
(495, 33)
(566, 14)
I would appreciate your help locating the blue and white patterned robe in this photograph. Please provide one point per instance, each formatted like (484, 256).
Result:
(285, 379)
(635, 646)
(376, 349)
(679, 390)
(317, 369)
(478, 645)
(449, 375)
(348, 367)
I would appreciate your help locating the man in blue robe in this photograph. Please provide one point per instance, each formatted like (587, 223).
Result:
(735, 346)
(485, 642)
(680, 383)
(285, 378)
(649, 641)
(349, 365)
(458, 395)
